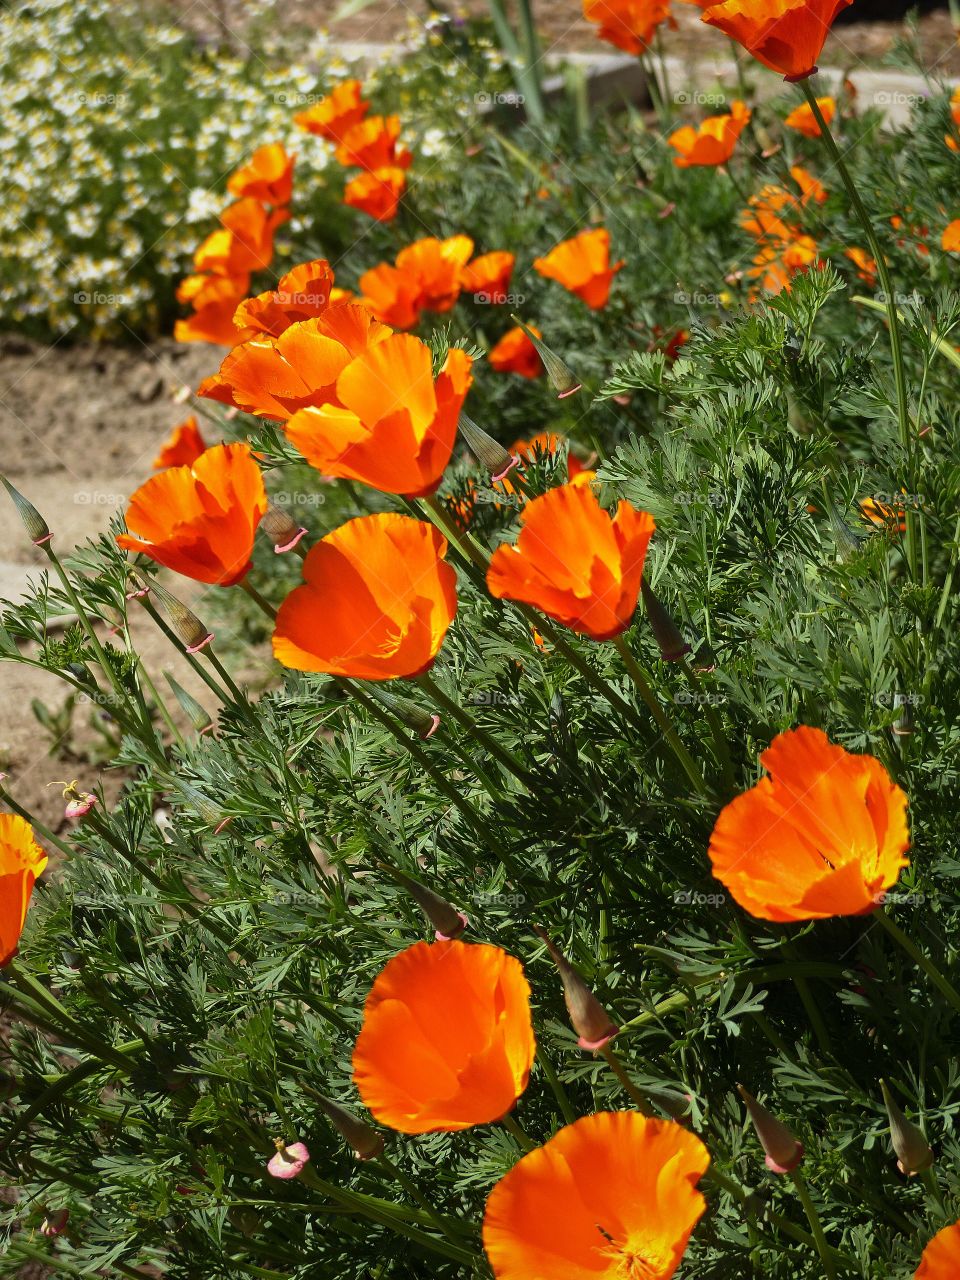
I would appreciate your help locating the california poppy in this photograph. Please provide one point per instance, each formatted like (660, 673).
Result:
(488, 277)
(335, 114)
(515, 353)
(214, 301)
(582, 265)
(866, 266)
(376, 602)
(804, 121)
(948, 138)
(437, 266)
(879, 513)
(785, 35)
(200, 520)
(548, 442)
(388, 423)
(377, 192)
(811, 188)
(372, 144)
(274, 377)
(628, 24)
(301, 294)
(243, 243)
(182, 447)
(713, 142)
(267, 176)
(575, 562)
(775, 265)
(21, 862)
(823, 835)
(951, 237)
(941, 1257)
(447, 1038)
(391, 295)
(612, 1196)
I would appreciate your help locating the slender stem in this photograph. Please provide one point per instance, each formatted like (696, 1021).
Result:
(809, 1003)
(945, 987)
(823, 1248)
(260, 601)
(618, 1069)
(721, 745)
(671, 1004)
(414, 1192)
(561, 1095)
(467, 721)
(227, 678)
(509, 1122)
(197, 665)
(893, 321)
(775, 1219)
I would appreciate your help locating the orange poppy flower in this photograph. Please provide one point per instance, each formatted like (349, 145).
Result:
(447, 1038)
(391, 295)
(762, 218)
(182, 447)
(376, 602)
(214, 300)
(200, 520)
(274, 377)
(951, 237)
(21, 862)
(785, 35)
(388, 423)
(823, 835)
(376, 192)
(612, 1196)
(628, 24)
(437, 266)
(488, 277)
(267, 176)
(303, 293)
(879, 513)
(713, 142)
(515, 353)
(866, 266)
(582, 265)
(574, 562)
(372, 144)
(948, 138)
(810, 187)
(335, 114)
(941, 1257)
(804, 121)
(244, 243)
(776, 265)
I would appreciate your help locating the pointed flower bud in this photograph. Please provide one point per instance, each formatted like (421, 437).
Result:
(54, 1222)
(667, 634)
(282, 530)
(289, 1162)
(38, 531)
(848, 544)
(186, 624)
(424, 723)
(782, 1151)
(447, 921)
(492, 456)
(207, 810)
(565, 381)
(911, 1148)
(196, 714)
(365, 1142)
(588, 1017)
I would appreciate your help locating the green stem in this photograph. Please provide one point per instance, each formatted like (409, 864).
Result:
(943, 985)
(810, 1209)
(414, 1192)
(553, 1080)
(197, 665)
(260, 601)
(618, 1069)
(510, 1123)
(809, 1003)
(467, 721)
(775, 1219)
(721, 745)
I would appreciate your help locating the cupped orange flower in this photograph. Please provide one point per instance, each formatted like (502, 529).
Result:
(388, 423)
(582, 265)
(391, 295)
(376, 602)
(335, 114)
(574, 562)
(823, 835)
(214, 301)
(628, 24)
(377, 192)
(275, 377)
(488, 277)
(447, 1038)
(941, 1257)
(372, 144)
(200, 520)
(437, 266)
(713, 142)
(785, 35)
(243, 243)
(951, 237)
(515, 353)
(804, 121)
(267, 176)
(182, 447)
(21, 862)
(303, 293)
(865, 264)
(612, 1196)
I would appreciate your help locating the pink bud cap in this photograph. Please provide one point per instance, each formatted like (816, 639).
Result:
(288, 546)
(80, 805)
(54, 1222)
(289, 1162)
(448, 937)
(195, 648)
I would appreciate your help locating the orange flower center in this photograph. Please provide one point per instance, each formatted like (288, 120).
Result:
(640, 1257)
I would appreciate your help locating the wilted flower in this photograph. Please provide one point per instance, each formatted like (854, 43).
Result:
(289, 1161)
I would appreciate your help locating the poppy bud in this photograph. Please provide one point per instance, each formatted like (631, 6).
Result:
(782, 1151)
(197, 714)
(491, 455)
(424, 723)
(54, 1222)
(186, 624)
(37, 528)
(365, 1142)
(289, 1162)
(903, 728)
(282, 530)
(447, 921)
(565, 381)
(80, 804)
(704, 660)
(590, 1020)
(667, 634)
(208, 811)
(848, 544)
(911, 1148)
